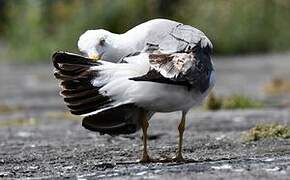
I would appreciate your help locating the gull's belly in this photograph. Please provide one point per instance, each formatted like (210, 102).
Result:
(160, 97)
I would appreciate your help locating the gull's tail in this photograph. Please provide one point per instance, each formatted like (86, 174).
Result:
(76, 77)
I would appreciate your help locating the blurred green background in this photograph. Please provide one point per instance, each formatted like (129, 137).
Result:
(30, 30)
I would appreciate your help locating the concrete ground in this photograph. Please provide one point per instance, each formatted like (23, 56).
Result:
(39, 139)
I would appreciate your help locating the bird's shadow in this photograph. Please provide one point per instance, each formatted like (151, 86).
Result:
(172, 162)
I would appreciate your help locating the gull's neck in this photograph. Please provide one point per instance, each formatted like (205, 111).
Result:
(120, 46)
(125, 43)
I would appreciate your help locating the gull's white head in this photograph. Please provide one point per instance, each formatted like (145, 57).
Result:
(94, 43)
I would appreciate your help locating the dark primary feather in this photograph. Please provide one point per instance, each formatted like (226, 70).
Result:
(123, 119)
(155, 76)
(81, 97)
(191, 68)
(75, 77)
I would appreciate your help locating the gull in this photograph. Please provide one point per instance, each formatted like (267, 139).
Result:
(166, 34)
(107, 94)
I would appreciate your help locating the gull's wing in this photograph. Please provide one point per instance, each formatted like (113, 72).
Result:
(76, 75)
(178, 38)
(191, 69)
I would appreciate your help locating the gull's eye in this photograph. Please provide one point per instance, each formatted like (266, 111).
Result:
(102, 41)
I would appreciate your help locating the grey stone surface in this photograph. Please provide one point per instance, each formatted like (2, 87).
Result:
(38, 139)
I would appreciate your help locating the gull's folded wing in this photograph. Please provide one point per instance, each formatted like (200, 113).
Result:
(191, 69)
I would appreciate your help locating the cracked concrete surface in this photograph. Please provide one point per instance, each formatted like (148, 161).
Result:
(40, 140)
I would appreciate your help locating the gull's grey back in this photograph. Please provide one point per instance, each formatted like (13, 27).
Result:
(170, 36)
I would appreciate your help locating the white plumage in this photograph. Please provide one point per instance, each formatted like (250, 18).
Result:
(157, 97)
(163, 66)
(170, 36)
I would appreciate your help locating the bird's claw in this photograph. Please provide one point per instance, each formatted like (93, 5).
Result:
(177, 158)
(146, 159)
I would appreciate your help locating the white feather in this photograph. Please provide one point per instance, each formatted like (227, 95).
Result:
(168, 35)
(116, 83)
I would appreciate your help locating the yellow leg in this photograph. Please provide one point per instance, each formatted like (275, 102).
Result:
(145, 125)
(181, 127)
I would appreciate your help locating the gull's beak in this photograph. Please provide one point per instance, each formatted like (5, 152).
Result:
(95, 57)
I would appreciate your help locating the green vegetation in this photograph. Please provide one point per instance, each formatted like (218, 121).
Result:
(231, 102)
(9, 109)
(278, 86)
(30, 30)
(62, 115)
(34, 29)
(240, 102)
(263, 131)
(213, 102)
(17, 122)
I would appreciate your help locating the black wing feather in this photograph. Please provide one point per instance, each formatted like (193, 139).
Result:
(81, 97)
(174, 68)
(75, 77)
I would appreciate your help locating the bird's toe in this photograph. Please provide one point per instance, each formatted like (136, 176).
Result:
(147, 159)
(178, 158)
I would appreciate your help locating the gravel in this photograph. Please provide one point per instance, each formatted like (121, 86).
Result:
(41, 140)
